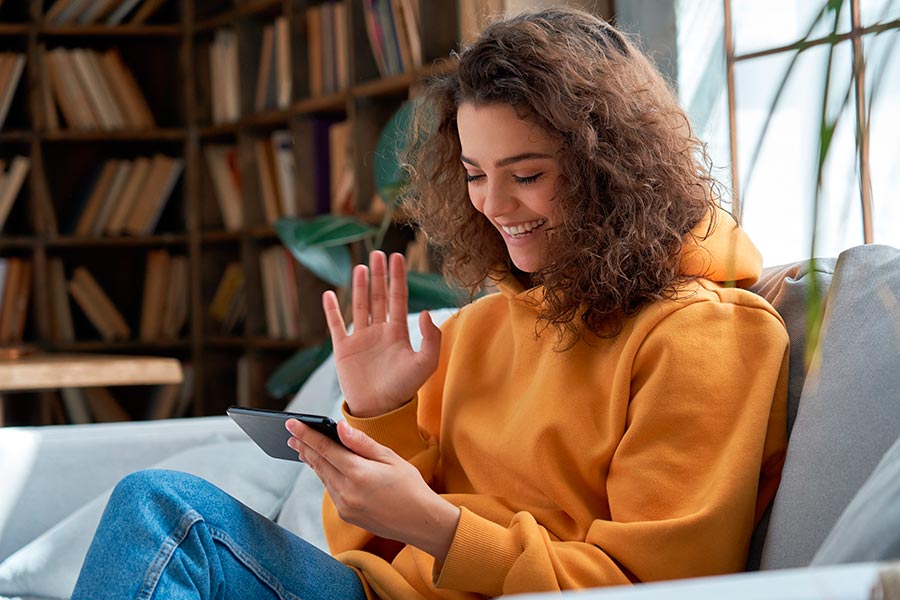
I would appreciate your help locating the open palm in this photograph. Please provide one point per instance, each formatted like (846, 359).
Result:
(377, 367)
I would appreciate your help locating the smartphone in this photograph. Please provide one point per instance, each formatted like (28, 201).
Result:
(266, 428)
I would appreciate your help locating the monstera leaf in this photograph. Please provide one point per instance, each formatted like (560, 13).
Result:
(321, 244)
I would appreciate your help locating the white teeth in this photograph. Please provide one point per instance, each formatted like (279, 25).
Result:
(523, 228)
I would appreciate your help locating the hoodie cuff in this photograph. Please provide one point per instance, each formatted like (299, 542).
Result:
(398, 429)
(480, 556)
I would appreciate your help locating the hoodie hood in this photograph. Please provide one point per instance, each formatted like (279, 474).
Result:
(724, 254)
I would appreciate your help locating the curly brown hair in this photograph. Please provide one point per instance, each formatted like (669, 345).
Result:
(635, 181)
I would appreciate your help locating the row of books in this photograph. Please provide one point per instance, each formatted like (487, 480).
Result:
(99, 404)
(12, 65)
(93, 90)
(326, 37)
(128, 196)
(274, 82)
(11, 181)
(164, 308)
(392, 27)
(109, 12)
(15, 292)
(274, 159)
(281, 295)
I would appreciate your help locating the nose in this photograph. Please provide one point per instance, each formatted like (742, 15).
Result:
(497, 200)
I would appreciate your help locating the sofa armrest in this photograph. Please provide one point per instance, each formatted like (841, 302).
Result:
(49, 472)
(848, 582)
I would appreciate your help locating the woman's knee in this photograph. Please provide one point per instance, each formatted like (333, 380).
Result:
(144, 485)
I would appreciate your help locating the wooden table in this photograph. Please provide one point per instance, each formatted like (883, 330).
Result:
(42, 371)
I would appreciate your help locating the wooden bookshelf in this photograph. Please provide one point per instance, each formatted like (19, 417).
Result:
(170, 57)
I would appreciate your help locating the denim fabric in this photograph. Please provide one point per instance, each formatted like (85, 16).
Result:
(171, 535)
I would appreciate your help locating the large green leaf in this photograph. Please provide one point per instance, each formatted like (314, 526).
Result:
(430, 290)
(390, 177)
(294, 372)
(320, 244)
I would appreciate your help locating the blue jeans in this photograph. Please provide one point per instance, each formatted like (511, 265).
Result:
(170, 535)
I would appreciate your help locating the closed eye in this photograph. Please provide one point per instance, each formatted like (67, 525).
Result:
(528, 180)
(471, 178)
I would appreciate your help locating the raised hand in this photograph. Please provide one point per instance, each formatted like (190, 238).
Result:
(378, 369)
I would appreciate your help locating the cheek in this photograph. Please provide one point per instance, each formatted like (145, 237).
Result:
(476, 197)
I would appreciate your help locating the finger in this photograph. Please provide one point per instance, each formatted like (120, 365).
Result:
(314, 448)
(333, 316)
(360, 297)
(363, 446)
(430, 350)
(399, 295)
(378, 291)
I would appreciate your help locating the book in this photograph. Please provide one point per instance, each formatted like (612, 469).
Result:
(60, 310)
(119, 14)
(314, 49)
(127, 91)
(175, 310)
(76, 406)
(16, 293)
(99, 10)
(265, 167)
(9, 81)
(103, 405)
(156, 284)
(128, 198)
(101, 106)
(282, 74)
(221, 160)
(283, 151)
(10, 292)
(96, 197)
(146, 10)
(230, 284)
(71, 95)
(48, 106)
(163, 401)
(265, 78)
(11, 186)
(164, 174)
(97, 306)
(113, 196)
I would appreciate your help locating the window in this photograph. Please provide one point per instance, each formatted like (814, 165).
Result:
(768, 84)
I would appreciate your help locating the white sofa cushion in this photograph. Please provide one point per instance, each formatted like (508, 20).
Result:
(48, 567)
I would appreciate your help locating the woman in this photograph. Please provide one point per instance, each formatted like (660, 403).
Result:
(615, 413)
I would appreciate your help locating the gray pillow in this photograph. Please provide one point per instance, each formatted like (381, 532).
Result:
(848, 414)
(869, 528)
(48, 567)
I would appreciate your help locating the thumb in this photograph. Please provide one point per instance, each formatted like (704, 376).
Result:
(431, 340)
(362, 445)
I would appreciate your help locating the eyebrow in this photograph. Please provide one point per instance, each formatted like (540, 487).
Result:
(505, 162)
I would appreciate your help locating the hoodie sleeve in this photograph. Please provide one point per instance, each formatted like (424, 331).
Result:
(704, 441)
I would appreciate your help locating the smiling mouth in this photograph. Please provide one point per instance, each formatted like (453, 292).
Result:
(522, 229)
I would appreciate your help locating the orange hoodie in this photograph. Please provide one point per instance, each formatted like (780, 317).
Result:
(645, 457)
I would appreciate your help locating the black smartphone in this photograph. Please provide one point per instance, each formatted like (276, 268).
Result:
(266, 428)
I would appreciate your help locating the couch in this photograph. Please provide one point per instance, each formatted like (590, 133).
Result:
(832, 531)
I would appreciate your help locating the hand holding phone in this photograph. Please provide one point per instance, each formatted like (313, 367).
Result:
(267, 429)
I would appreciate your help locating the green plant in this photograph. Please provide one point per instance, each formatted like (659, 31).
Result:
(830, 11)
(323, 245)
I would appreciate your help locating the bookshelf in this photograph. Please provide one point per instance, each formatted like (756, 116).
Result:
(237, 104)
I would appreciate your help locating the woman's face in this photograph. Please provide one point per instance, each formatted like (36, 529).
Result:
(511, 169)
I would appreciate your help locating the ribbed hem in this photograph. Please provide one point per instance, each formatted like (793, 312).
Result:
(398, 429)
(480, 556)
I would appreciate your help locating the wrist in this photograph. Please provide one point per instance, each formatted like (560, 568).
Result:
(436, 534)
